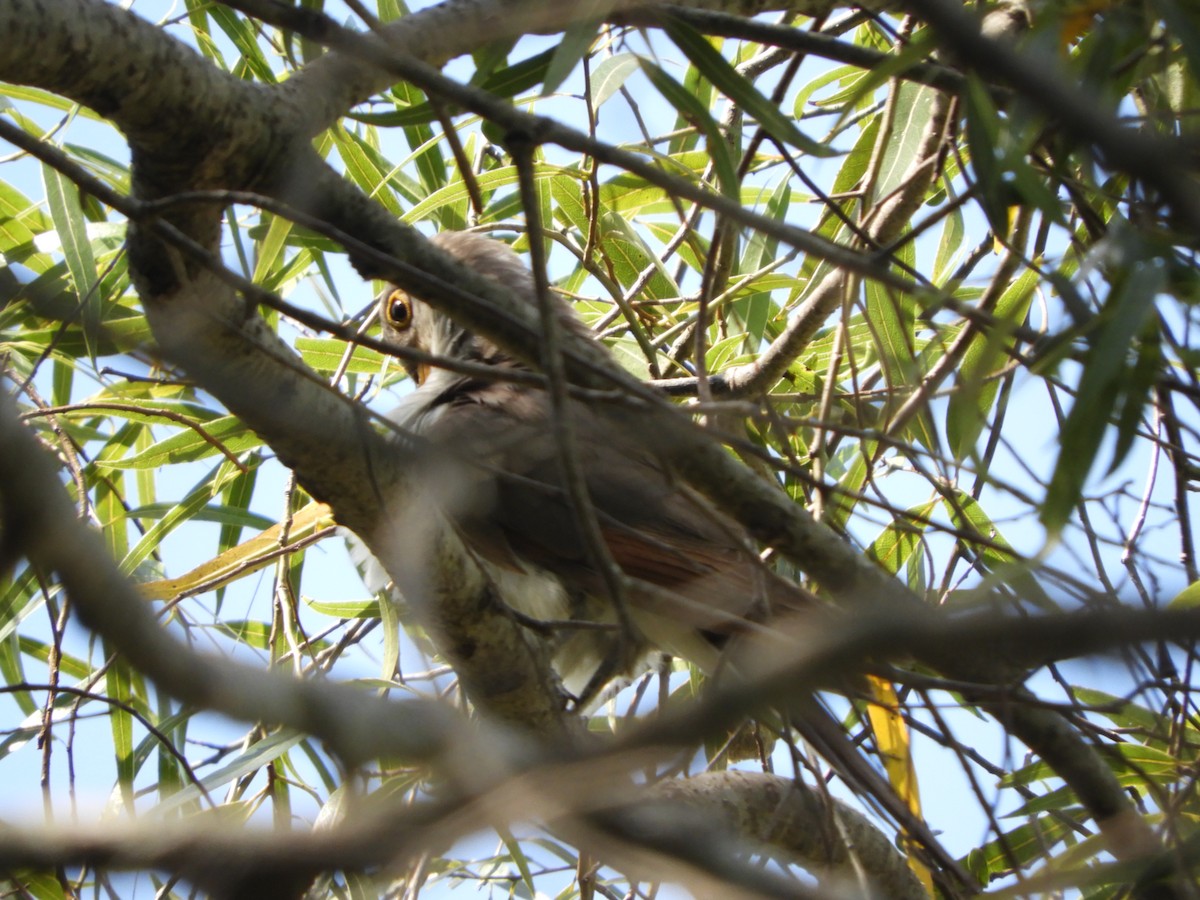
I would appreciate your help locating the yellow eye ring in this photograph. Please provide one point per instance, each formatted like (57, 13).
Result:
(398, 310)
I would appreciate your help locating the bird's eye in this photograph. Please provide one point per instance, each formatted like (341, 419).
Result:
(398, 309)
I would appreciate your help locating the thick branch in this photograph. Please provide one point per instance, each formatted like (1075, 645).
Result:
(39, 520)
(796, 822)
(437, 34)
(230, 352)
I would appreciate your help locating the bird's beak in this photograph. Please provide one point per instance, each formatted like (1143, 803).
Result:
(421, 374)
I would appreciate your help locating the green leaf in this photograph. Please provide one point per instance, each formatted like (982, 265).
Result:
(253, 758)
(983, 133)
(754, 309)
(1108, 382)
(913, 108)
(187, 446)
(695, 112)
(347, 609)
(576, 41)
(842, 502)
(1188, 598)
(365, 168)
(244, 37)
(970, 405)
(1022, 845)
(271, 249)
(610, 75)
(327, 355)
(995, 554)
(197, 499)
(902, 544)
(948, 247)
(713, 66)
(233, 516)
(1141, 379)
(507, 82)
(63, 199)
(893, 316)
(119, 683)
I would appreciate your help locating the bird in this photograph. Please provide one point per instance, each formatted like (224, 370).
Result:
(693, 577)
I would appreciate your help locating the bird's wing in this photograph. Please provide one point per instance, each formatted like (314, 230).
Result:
(697, 564)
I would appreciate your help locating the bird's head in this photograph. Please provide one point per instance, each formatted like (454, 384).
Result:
(410, 322)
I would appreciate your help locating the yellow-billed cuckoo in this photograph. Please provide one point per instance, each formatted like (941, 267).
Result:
(693, 576)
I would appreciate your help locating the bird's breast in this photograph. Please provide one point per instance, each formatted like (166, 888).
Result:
(531, 592)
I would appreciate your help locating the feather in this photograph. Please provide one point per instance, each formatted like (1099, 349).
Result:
(695, 578)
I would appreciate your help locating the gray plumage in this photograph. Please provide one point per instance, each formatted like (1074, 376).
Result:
(694, 577)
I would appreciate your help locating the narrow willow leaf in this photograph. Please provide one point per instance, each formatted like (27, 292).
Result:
(718, 70)
(198, 19)
(21, 598)
(949, 245)
(753, 310)
(327, 354)
(695, 112)
(860, 90)
(110, 491)
(63, 199)
(242, 33)
(62, 378)
(115, 172)
(1126, 714)
(627, 253)
(364, 168)
(229, 432)
(845, 74)
(14, 673)
(347, 609)
(913, 108)
(252, 759)
(610, 76)
(233, 516)
(119, 684)
(1141, 379)
(39, 885)
(843, 501)
(900, 544)
(20, 219)
(983, 134)
(1107, 379)
(893, 317)
(994, 552)
(26, 94)
(171, 774)
(246, 558)
(270, 249)
(390, 661)
(971, 404)
(507, 82)
(456, 191)
(1022, 845)
(39, 650)
(576, 41)
(518, 857)
(390, 10)
(895, 750)
(569, 209)
(197, 499)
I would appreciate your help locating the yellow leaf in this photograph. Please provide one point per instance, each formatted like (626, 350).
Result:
(891, 737)
(247, 557)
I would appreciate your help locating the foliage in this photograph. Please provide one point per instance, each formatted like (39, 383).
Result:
(1009, 415)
